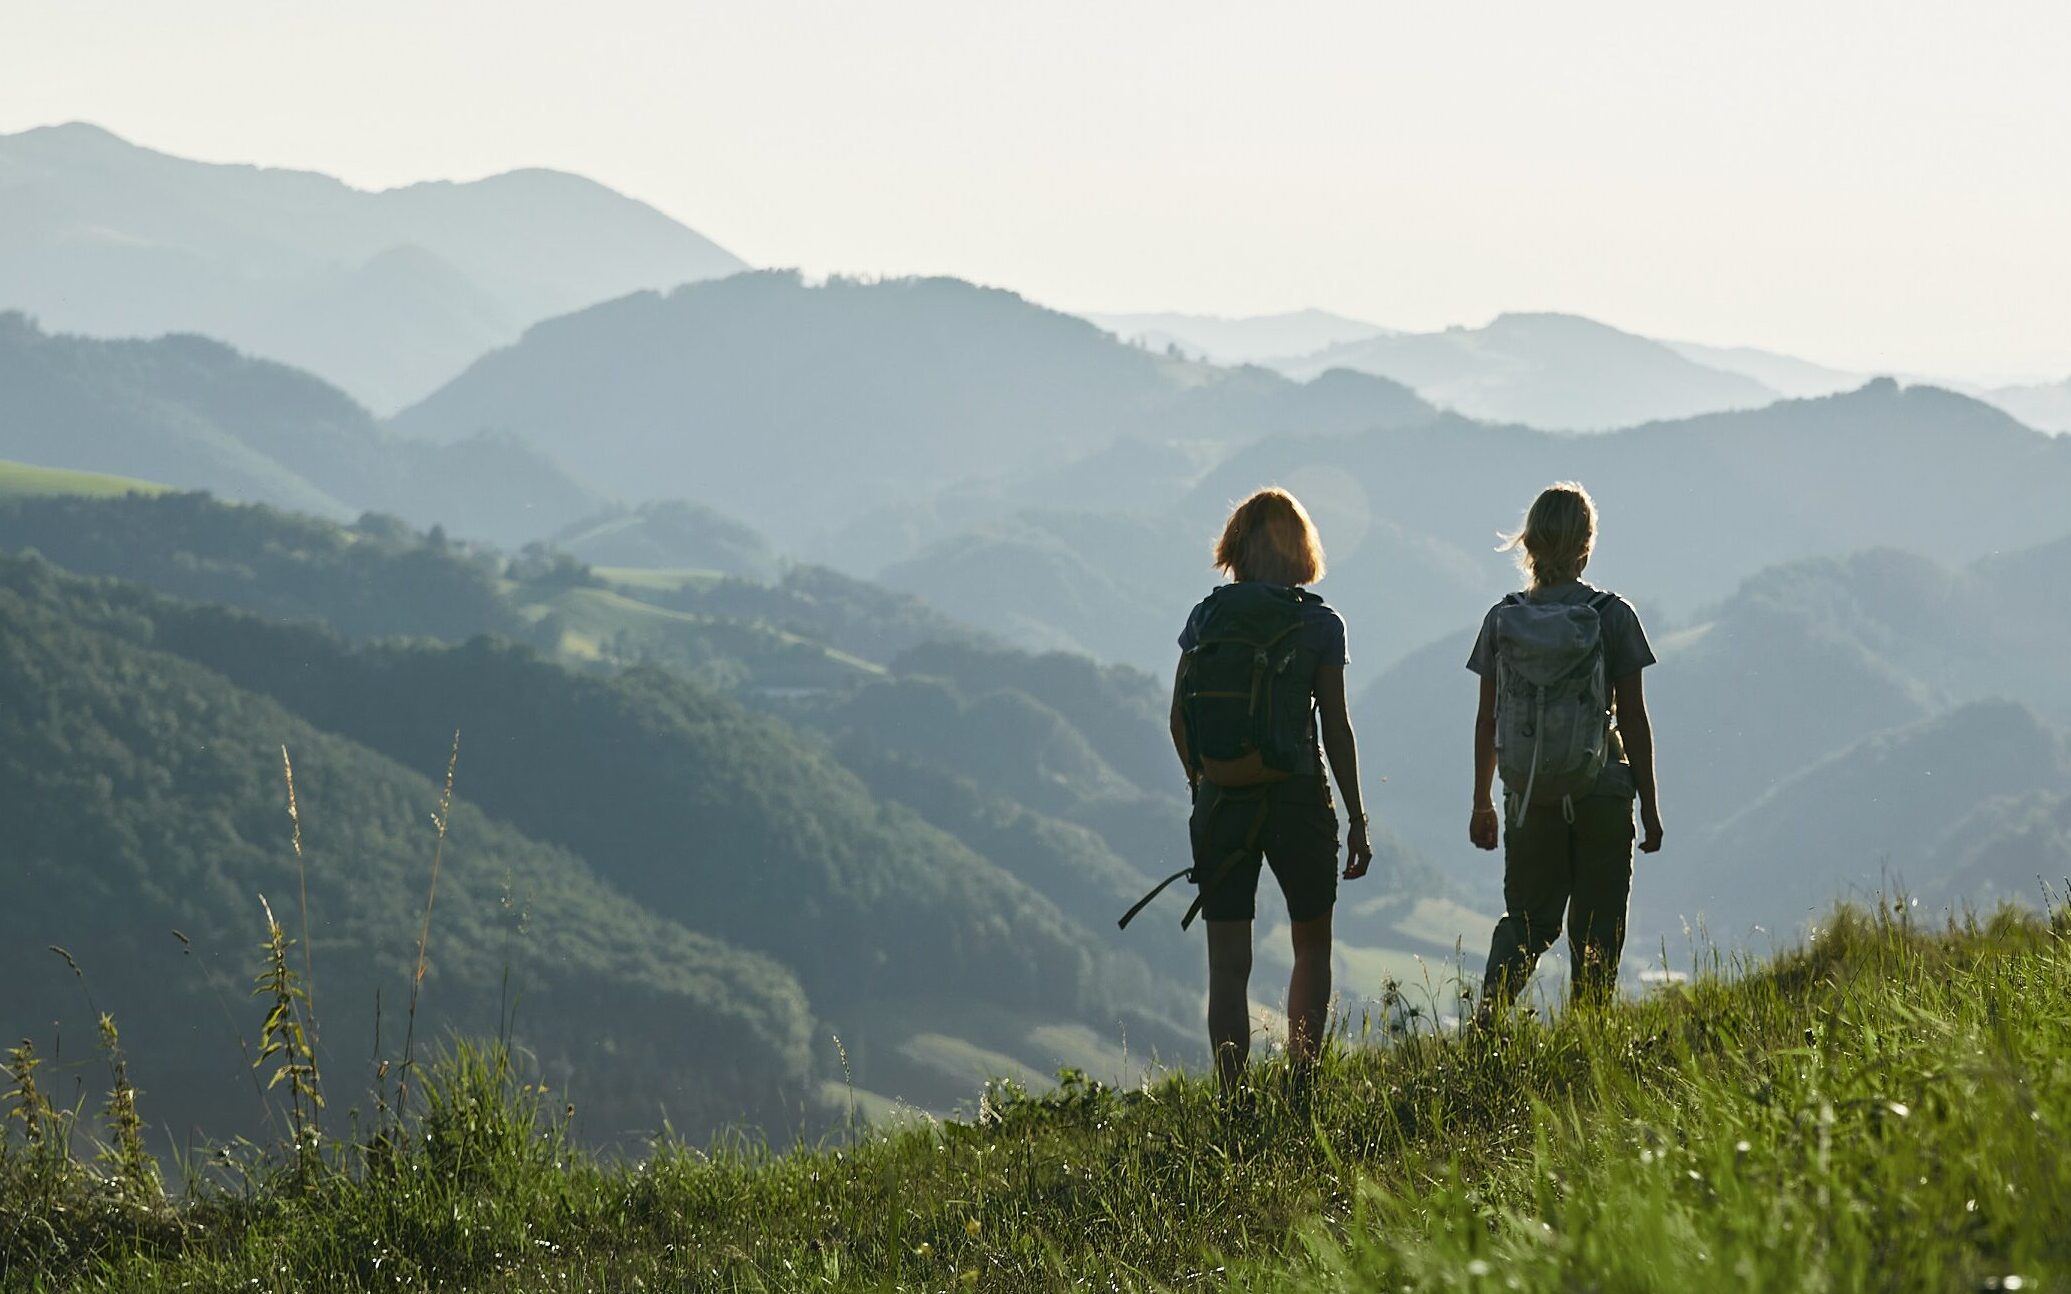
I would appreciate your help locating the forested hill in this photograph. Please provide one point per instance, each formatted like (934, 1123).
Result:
(189, 412)
(143, 795)
(374, 579)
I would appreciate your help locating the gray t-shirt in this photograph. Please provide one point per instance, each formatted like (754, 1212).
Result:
(1626, 650)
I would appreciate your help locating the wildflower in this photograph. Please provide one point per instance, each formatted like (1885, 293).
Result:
(974, 1228)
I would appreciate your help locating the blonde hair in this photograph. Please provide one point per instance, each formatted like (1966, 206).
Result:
(1558, 534)
(1269, 538)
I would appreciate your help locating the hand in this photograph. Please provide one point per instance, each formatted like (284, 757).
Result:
(1650, 830)
(1358, 853)
(1485, 828)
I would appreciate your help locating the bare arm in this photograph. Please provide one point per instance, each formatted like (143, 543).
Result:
(1342, 748)
(1179, 727)
(1637, 731)
(1485, 824)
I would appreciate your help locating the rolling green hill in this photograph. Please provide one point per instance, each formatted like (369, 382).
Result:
(192, 413)
(379, 578)
(375, 579)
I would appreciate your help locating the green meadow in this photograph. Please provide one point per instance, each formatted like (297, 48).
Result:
(1884, 1108)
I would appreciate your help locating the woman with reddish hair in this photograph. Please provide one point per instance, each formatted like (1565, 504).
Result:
(1257, 704)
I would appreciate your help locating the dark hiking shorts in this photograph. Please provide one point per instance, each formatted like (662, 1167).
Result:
(1299, 838)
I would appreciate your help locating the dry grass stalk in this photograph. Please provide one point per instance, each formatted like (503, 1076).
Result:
(287, 769)
(439, 821)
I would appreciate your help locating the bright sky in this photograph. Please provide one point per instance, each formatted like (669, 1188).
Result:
(1874, 185)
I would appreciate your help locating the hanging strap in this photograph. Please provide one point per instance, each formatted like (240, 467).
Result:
(1144, 902)
(1524, 801)
(1214, 878)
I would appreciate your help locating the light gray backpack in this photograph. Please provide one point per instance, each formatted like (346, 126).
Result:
(1553, 706)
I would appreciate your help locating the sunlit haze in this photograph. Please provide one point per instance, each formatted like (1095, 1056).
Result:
(1874, 186)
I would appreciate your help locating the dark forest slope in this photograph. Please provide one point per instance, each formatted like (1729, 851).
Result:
(143, 794)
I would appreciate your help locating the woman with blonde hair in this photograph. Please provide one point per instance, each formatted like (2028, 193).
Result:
(1563, 718)
(1262, 660)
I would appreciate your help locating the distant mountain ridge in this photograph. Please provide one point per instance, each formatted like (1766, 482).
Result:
(1410, 514)
(385, 293)
(1244, 339)
(802, 408)
(2044, 405)
(1557, 372)
(1831, 726)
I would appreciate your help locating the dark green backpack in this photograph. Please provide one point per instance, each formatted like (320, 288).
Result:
(1246, 698)
(1247, 707)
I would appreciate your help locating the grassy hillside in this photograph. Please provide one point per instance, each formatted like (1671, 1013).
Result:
(1882, 1109)
(25, 481)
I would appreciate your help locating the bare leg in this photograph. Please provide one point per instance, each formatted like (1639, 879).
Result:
(1308, 991)
(1229, 1005)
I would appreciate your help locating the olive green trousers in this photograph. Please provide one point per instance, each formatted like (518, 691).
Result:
(1554, 866)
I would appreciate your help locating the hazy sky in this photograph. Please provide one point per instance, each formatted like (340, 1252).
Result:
(1880, 185)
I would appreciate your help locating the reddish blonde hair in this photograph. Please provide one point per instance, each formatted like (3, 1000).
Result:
(1269, 538)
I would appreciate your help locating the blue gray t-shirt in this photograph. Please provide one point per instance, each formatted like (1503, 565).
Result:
(1322, 641)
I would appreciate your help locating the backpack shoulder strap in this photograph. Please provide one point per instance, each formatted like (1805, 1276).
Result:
(1600, 599)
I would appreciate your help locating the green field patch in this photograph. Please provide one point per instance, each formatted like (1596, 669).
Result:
(656, 579)
(601, 623)
(961, 1061)
(26, 481)
(870, 1109)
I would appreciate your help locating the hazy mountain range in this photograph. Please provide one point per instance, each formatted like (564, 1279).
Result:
(1833, 727)
(1410, 516)
(1249, 339)
(807, 409)
(1558, 372)
(2046, 405)
(386, 294)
